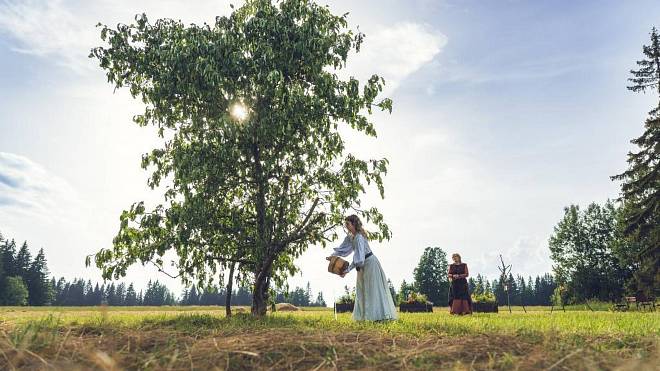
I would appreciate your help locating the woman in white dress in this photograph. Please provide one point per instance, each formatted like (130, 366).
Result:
(373, 301)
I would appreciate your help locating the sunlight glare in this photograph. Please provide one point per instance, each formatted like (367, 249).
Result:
(239, 112)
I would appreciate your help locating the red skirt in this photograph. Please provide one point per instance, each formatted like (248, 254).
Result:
(460, 306)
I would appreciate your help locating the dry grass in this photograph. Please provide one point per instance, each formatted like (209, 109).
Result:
(115, 340)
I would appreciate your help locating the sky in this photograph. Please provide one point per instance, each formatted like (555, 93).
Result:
(504, 113)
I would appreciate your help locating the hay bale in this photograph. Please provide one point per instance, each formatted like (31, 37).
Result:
(286, 307)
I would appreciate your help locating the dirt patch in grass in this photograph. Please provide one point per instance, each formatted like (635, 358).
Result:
(207, 342)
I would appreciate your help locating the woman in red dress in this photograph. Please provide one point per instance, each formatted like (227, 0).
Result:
(459, 295)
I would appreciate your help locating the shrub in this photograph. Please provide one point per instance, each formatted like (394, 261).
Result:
(415, 297)
(346, 299)
(486, 297)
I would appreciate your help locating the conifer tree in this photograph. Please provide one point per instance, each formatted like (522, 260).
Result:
(8, 257)
(120, 294)
(640, 188)
(2, 266)
(131, 296)
(39, 288)
(23, 259)
(110, 297)
(320, 302)
(193, 296)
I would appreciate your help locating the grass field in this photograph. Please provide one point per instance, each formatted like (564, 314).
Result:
(202, 338)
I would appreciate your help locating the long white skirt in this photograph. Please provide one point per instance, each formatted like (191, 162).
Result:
(373, 300)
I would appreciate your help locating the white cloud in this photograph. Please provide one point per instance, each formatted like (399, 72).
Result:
(29, 189)
(395, 52)
(528, 255)
(45, 28)
(65, 29)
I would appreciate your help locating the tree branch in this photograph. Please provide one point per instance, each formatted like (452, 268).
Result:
(232, 260)
(160, 269)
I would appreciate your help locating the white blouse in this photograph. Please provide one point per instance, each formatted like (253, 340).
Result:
(358, 246)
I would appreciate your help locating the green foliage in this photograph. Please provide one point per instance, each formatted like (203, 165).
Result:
(39, 287)
(33, 273)
(415, 297)
(431, 275)
(640, 188)
(36, 334)
(2, 265)
(583, 247)
(484, 297)
(8, 257)
(348, 297)
(404, 291)
(131, 296)
(256, 190)
(648, 74)
(15, 292)
(157, 294)
(22, 260)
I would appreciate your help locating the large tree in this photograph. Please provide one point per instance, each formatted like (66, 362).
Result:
(431, 275)
(14, 291)
(582, 247)
(640, 188)
(249, 109)
(39, 287)
(2, 265)
(8, 257)
(131, 296)
(23, 259)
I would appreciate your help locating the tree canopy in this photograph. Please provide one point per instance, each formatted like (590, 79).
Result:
(431, 275)
(14, 292)
(584, 247)
(253, 163)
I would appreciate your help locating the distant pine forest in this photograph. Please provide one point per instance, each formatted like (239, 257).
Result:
(25, 280)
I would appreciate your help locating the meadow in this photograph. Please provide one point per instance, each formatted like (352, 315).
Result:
(200, 338)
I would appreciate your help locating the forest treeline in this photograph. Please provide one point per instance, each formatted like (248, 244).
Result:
(25, 280)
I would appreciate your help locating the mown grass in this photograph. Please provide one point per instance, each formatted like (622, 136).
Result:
(157, 338)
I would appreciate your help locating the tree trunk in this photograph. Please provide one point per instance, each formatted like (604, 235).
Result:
(260, 293)
(260, 298)
(230, 288)
(262, 272)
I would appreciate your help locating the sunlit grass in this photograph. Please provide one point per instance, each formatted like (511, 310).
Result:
(162, 337)
(439, 322)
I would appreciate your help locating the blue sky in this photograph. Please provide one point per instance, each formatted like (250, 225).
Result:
(504, 113)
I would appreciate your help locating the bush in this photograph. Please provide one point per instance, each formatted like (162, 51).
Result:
(348, 297)
(486, 297)
(415, 297)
